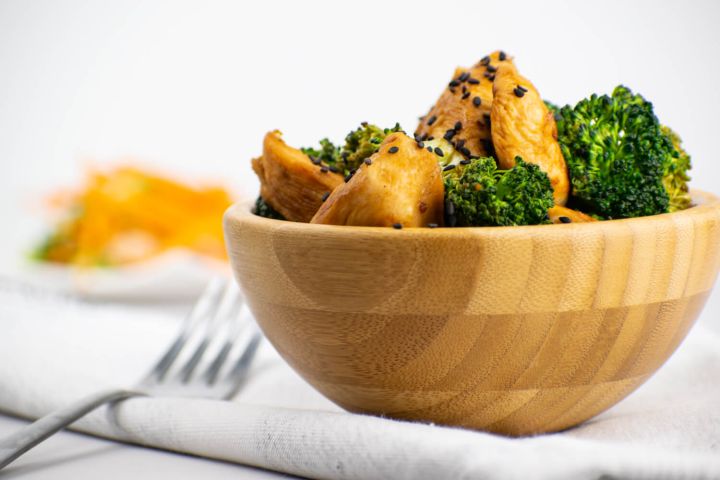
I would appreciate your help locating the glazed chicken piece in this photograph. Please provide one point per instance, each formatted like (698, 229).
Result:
(290, 182)
(466, 103)
(522, 125)
(560, 214)
(401, 185)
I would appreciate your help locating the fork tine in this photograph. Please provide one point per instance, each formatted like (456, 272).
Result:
(224, 312)
(205, 303)
(238, 374)
(235, 327)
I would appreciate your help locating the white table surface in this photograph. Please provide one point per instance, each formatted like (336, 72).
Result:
(192, 86)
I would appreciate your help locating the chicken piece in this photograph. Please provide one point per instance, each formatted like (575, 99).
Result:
(560, 214)
(400, 185)
(523, 126)
(467, 100)
(289, 181)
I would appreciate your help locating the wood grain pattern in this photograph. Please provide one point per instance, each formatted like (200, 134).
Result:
(515, 330)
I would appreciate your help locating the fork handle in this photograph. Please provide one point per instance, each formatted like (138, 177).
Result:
(13, 446)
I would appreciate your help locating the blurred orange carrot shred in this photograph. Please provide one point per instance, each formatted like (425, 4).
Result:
(127, 215)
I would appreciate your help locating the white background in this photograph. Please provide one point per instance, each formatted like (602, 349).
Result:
(191, 87)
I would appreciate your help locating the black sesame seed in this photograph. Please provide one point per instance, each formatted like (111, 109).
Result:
(393, 149)
(447, 168)
(464, 162)
(334, 169)
(367, 161)
(518, 93)
(430, 138)
(464, 77)
(465, 95)
(397, 226)
(502, 56)
(438, 151)
(491, 69)
(449, 134)
(452, 90)
(429, 149)
(417, 137)
(460, 143)
(465, 151)
(315, 161)
(477, 101)
(473, 81)
(431, 120)
(458, 126)
(485, 60)
(325, 196)
(432, 225)
(324, 169)
(464, 89)
(453, 83)
(522, 88)
(564, 219)
(421, 144)
(491, 78)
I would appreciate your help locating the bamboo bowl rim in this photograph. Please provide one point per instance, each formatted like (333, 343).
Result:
(702, 202)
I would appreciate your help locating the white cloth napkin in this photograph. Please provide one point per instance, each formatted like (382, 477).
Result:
(54, 350)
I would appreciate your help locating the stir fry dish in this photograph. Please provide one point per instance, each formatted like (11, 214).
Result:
(490, 152)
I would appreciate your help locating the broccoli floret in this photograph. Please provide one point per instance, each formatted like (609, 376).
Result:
(675, 174)
(263, 209)
(551, 106)
(359, 145)
(327, 153)
(555, 109)
(617, 155)
(362, 143)
(478, 194)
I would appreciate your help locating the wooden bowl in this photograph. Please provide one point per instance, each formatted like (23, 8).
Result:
(515, 330)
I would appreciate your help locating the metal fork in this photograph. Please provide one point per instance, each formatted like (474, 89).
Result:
(206, 359)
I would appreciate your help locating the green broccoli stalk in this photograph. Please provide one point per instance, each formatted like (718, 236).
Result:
(263, 209)
(675, 173)
(359, 145)
(617, 155)
(478, 194)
